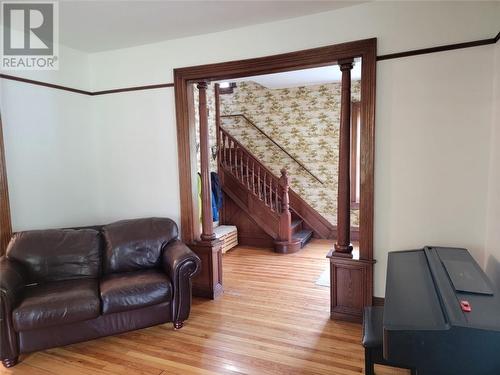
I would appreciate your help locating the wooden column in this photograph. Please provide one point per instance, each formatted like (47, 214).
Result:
(208, 283)
(220, 148)
(343, 245)
(207, 227)
(5, 223)
(350, 279)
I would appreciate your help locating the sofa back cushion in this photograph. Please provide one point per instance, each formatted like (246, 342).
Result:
(132, 245)
(57, 254)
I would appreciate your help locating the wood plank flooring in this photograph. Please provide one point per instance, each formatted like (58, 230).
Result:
(272, 319)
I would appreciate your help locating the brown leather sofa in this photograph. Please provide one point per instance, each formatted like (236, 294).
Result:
(63, 286)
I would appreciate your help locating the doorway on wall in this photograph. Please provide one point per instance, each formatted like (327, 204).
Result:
(212, 94)
(262, 126)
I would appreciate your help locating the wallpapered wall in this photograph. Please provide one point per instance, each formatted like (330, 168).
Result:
(212, 136)
(305, 122)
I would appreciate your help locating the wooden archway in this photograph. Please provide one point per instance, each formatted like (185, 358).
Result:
(347, 303)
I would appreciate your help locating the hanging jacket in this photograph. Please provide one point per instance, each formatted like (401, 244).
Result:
(216, 189)
(214, 198)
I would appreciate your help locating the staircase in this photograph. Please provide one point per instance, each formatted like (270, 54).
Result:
(265, 198)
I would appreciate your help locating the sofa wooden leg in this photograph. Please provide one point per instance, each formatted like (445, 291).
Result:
(9, 362)
(178, 325)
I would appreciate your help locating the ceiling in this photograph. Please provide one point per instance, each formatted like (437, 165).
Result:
(303, 77)
(94, 26)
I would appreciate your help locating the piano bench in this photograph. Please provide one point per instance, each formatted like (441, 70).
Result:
(373, 321)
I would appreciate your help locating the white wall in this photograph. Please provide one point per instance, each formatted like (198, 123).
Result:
(399, 26)
(433, 119)
(492, 254)
(49, 147)
(74, 70)
(137, 146)
(432, 149)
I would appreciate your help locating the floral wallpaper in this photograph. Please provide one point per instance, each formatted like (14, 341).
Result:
(212, 136)
(305, 122)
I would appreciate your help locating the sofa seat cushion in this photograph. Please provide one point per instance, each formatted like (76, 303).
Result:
(133, 290)
(57, 303)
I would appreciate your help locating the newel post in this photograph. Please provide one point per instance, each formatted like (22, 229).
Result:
(285, 215)
(285, 243)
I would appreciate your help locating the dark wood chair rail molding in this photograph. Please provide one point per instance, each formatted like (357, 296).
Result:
(447, 47)
(84, 92)
(389, 56)
(275, 143)
(44, 84)
(136, 88)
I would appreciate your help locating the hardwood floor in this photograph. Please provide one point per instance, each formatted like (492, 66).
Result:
(272, 319)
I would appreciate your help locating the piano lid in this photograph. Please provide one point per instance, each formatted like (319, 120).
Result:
(411, 298)
(424, 289)
(466, 278)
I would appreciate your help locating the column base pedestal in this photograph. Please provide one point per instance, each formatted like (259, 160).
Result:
(208, 283)
(351, 286)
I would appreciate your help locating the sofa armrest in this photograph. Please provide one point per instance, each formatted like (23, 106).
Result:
(12, 283)
(181, 264)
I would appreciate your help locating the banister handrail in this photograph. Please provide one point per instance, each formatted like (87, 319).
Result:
(275, 143)
(246, 151)
(238, 161)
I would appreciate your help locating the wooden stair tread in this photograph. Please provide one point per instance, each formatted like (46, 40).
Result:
(304, 236)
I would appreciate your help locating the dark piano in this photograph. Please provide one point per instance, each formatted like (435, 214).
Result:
(427, 325)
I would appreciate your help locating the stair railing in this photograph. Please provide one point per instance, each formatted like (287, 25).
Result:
(251, 173)
(275, 143)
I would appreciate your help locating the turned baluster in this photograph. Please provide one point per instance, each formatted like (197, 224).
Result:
(230, 149)
(276, 188)
(223, 151)
(285, 231)
(259, 189)
(247, 171)
(237, 164)
(242, 177)
(253, 176)
(264, 187)
(270, 191)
